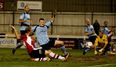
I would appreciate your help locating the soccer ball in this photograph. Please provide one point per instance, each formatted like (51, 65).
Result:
(89, 44)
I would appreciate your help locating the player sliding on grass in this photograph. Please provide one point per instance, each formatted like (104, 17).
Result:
(36, 54)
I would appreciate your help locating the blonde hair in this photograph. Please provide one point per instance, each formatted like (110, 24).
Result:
(26, 6)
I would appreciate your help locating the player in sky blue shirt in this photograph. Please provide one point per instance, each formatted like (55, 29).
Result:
(106, 30)
(109, 34)
(25, 22)
(42, 35)
(89, 31)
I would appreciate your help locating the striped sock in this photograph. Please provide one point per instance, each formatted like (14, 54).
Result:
(63, 49)
(56, 56)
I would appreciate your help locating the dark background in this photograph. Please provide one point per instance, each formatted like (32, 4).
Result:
(108, 6)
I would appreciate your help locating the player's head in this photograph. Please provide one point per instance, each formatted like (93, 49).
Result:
(41, 22)
(32, 35)
(26, 8)
(105, 23)
(28, 30)
(100, 33)
(87, 21)
(96, 21)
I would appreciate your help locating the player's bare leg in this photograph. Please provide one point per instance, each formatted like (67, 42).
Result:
(41, 59)
(60, 44)
(55, 56)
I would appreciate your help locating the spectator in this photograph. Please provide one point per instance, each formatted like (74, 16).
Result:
(96, 26)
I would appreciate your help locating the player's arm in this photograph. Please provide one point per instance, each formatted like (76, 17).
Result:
(95, 45)
(52, 19)
(110, 32)
(22, 19)
(53, 16)
(106, 42)
(93, 31)
(89, 33)
(86, 32)
(49, 23)
(15, 31)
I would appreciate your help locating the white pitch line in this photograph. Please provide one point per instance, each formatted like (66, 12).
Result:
(101, 65)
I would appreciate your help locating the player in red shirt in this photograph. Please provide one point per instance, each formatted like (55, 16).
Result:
(36, 54)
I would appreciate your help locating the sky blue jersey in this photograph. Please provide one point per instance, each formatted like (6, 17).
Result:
(41, 33)
(106, 30)
(24, 16)
(90, 29)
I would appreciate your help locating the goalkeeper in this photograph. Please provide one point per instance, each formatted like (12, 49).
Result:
(101, 44)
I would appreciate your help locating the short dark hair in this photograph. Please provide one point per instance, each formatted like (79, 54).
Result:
(101, 31)
(41, 19)
(27, 29)
(105, 22)
(31, 34)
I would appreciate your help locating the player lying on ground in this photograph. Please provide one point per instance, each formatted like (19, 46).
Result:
(36, 54)
(49, 52)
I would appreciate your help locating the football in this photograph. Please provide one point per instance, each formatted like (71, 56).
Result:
(89, 44)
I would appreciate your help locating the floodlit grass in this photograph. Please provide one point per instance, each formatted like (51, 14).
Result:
(76, 59)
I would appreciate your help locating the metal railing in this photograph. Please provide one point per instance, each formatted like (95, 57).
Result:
(66, 23)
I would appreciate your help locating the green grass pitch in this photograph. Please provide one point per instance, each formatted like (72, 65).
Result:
(76, 59)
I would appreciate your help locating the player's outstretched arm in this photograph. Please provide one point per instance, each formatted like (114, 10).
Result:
(15, 31)
(21, 20)
(53, 15)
